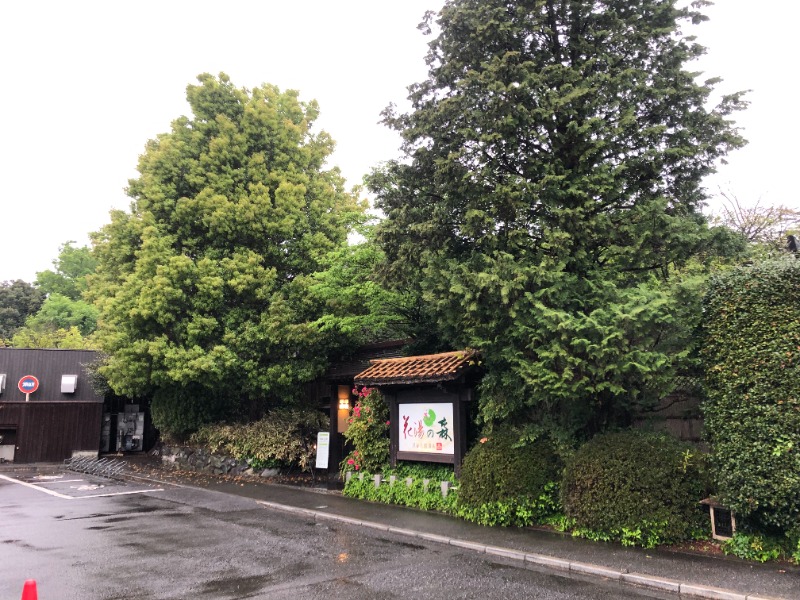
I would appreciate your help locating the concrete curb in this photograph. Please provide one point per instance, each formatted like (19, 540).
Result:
(660, 584)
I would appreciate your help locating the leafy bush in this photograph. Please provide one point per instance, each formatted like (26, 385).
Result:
(752, 417)
(415, 495)
(284, 437)
(368, 433)
(506, 482)
(636, 487)
(752, 547)
(179, 413)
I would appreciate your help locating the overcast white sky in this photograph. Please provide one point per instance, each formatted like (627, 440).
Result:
(86, 83)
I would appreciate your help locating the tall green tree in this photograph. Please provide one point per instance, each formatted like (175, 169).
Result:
(18, 300)
(64, 319)
(552, 178)
(203, 286)
(359, 309)
(61, 312)
(72, 267)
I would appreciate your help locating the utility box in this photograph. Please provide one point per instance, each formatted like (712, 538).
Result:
(105, 433)
(8, 443)
(130, 429)
(723, 520)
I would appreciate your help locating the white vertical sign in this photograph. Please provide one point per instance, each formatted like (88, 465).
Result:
(323, 448)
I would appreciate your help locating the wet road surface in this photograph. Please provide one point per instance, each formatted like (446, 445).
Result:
(92, 538)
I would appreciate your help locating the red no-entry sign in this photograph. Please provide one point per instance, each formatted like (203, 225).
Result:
(28, 384)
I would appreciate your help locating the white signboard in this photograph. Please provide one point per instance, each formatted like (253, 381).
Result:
(323, 447)
(426, 428)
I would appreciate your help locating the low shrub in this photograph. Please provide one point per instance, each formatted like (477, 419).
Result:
(285, 437)
(638, 488)
(416, 495)
(752, 547)
(505, 482)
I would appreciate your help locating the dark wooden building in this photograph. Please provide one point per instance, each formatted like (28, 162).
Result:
(61, 418)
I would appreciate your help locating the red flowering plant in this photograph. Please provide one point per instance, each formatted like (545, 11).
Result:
(367, 433)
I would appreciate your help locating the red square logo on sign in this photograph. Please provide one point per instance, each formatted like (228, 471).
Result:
(438, 445)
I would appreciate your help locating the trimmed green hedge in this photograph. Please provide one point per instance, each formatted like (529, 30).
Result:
(637, 487)
(752, 359)
(504, 482)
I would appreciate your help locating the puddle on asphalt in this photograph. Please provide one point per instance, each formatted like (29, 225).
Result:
(142, 510)
(117, 519)
(236, 586)
(17, 543)
(402, 544)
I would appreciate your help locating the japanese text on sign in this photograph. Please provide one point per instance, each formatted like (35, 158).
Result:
(426, 428)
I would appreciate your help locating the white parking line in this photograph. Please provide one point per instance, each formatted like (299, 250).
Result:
(65, 497)
(36, 487)
(118, 494)
(51, 482)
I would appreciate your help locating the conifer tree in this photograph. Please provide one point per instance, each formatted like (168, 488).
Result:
(203, 286)
(552, 176)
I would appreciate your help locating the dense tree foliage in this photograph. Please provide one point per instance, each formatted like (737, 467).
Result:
(752, 358)
(64, 320)
(204, 285)
(72, 267)
(60, 323)
(552, 180)
(61, 312)
(64, 338)
(359, 309)
(18, 300)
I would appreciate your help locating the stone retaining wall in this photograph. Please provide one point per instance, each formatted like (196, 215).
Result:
(188, 458)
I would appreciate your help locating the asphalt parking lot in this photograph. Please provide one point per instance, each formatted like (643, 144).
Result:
(92, 538)
(73, 486)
